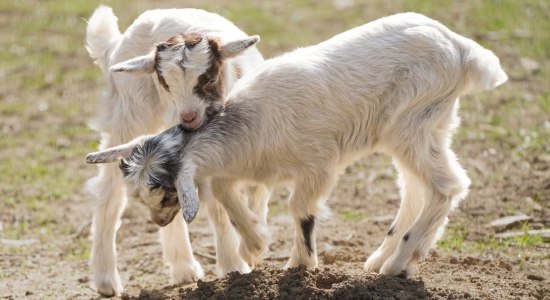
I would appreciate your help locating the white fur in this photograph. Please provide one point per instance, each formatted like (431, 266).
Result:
(390, 86)
(132, 106)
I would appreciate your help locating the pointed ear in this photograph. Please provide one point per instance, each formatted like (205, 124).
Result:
(139, 65)
(187, 195)
(234, 48)
(112, 154)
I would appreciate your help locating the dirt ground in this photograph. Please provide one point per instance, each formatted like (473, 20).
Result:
(48, 93)
(344, 242)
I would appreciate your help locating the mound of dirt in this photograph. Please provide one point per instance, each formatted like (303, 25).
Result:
(467, 278)
(299, 283)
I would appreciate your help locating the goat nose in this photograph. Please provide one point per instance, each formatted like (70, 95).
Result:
(188, 117)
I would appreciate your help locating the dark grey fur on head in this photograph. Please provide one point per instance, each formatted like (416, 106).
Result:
(156, 163)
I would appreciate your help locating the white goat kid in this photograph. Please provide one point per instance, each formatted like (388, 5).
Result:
(390, 86)
(179, 54)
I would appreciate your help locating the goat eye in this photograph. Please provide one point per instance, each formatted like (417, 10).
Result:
(162, 47)
(122, 165)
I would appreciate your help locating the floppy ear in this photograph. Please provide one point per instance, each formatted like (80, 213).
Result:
(187, 195)
(234, 48)
(112, 154)
(139, 65)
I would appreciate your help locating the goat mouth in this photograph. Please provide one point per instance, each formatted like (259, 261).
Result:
(193, 124)
(164, 222)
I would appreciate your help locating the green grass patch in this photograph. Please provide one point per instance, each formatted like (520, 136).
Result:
(352, 215)
(78, 250)
(456, 239)
(277, 209)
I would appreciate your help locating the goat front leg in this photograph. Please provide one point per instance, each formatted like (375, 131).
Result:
(412, 201)
(305, 206)
(445, 183)
(225, 236)
(177, 252)
(110, 200)
(254, 234)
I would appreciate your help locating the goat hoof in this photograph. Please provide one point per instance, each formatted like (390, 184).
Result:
(109, 287)
(186, 272)
(308, 262)
(251, 257)
(241, 267)
(375, 261)
(393, 268)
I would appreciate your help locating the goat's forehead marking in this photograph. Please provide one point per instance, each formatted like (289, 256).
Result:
(210, 85)
(162, 81)
(176, 45)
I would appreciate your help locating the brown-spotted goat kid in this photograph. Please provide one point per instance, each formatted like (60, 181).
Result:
(170, 66)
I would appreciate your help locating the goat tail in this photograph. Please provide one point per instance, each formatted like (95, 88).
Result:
(482, 67)
(102, 34)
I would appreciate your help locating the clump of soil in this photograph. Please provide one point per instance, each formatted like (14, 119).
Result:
(300, 283)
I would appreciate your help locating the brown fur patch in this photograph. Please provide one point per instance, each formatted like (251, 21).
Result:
(416, 256)
(161, 47)
(189, 39)
(176, 39)
(238, 71)
(210, 86)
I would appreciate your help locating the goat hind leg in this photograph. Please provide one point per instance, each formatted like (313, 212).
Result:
(445, 183)
(412, 202)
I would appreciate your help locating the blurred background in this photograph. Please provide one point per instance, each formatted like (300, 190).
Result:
(49, 89)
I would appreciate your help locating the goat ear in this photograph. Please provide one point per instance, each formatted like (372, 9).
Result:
(139, 65)
(188, 198)
(111, 154)
(234, 48)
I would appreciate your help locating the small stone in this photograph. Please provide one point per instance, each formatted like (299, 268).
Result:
(535, 277)
(63, 142)
(329, 258)
(529, 65)
(43, 106)
(382, 219)
(83, 279)
(544, 233)
(508, 222)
